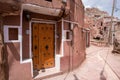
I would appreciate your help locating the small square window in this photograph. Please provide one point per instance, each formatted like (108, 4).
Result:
(13, 33)
(67, 35)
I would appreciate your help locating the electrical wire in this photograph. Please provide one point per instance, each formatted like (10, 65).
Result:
(69, 65)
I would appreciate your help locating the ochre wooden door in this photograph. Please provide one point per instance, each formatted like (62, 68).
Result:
(43, 45)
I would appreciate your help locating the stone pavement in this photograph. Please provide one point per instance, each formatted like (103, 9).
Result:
(91, 68)
(112, 60)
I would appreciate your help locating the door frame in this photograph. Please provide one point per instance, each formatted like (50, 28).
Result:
(57, 58)
(53, 43)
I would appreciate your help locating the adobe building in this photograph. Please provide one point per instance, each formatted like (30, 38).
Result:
(99, 23)
(117, 30)
(42, 37)
(87, 29)
(96, 18)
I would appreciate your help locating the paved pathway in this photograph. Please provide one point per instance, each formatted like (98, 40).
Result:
(91, 68)
(113, 60)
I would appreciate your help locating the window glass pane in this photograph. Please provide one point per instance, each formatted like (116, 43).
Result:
(67, 35)
(13, 33)
(49, 0)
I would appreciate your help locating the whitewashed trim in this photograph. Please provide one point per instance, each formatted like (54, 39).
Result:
(21, 59)
(62, 44)
(65, 35)
(26, 61)
(57, 57)
(6, 34)
(21, 14)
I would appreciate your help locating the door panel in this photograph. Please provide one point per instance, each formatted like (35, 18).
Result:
(35, 47)
(43, 45)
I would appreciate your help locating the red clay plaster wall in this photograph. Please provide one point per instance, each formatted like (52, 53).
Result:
(53, 4)
(17, 71)
(25, 37)
(77, 49)
(59, 38)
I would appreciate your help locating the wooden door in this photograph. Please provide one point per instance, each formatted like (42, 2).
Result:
(43, 45)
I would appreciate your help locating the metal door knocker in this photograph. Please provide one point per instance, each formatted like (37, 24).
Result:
(46, 47)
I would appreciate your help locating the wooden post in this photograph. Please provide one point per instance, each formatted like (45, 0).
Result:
(111, 27)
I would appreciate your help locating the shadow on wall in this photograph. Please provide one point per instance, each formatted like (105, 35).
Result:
(12, 56)
(13, 49)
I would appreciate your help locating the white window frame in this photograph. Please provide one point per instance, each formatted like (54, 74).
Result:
(6, 34)
(65, 35)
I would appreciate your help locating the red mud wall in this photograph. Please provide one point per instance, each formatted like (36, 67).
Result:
(53, 4)
(76, 47)
(17, 71)
(78, 42)
(74, 51)
(25, 37)
(59, 38)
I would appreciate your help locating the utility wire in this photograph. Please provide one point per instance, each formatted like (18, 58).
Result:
(110, 35)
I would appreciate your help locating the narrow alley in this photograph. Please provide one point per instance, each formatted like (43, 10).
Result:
(92, 67)
(59, 40)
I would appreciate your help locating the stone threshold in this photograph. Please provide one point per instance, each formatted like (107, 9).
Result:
(47, 73)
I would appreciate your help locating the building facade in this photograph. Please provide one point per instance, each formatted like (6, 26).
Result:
(42, 38)
(100, 24)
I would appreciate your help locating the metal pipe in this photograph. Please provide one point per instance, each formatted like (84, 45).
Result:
(111, 33)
